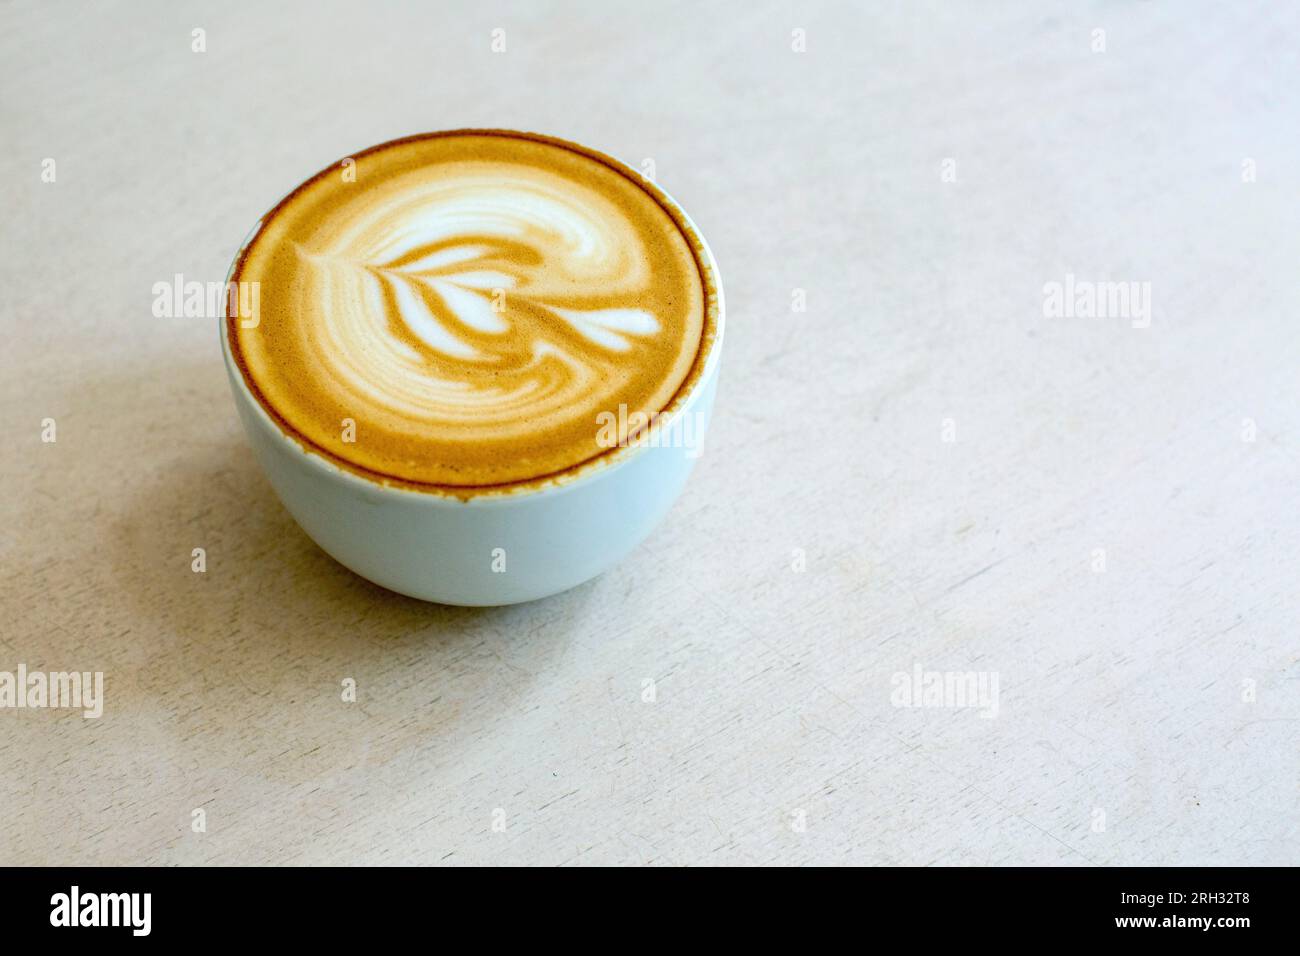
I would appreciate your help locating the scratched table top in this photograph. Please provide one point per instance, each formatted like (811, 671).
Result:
(991, 556)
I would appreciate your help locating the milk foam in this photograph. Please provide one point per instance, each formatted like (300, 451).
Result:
(472, 302)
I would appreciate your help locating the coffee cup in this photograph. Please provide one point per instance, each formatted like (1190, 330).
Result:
(489, 543)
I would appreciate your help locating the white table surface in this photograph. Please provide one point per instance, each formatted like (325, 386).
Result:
(1147, 714)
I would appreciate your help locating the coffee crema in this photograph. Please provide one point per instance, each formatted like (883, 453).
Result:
(455, 310)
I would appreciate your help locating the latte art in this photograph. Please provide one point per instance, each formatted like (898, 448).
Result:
(465, 277)
(471, 303)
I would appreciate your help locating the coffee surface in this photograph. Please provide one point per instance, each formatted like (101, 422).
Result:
(457, 310)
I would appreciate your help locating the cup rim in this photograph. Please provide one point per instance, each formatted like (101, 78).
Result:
(570, 478)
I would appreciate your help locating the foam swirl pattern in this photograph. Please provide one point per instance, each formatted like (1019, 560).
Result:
(471, 302)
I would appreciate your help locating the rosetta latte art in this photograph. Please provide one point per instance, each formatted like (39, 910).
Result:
(456, 292)
(472, 314)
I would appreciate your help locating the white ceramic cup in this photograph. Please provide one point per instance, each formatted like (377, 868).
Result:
(487, 550)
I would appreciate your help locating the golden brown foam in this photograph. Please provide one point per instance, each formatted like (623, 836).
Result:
(471, 304)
